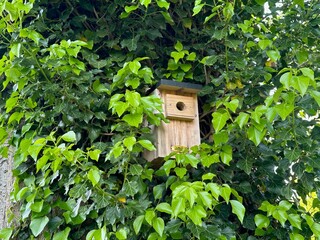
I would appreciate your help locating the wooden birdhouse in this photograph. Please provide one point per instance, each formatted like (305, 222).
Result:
(180, 106)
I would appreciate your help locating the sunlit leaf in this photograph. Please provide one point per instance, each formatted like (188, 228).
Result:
(219, 120)
(38, 224)
(261, 221)
(238, 209)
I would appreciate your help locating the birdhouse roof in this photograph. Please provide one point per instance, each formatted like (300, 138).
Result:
(165, 84)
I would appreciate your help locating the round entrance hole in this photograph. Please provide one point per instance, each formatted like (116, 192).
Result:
(180, 106)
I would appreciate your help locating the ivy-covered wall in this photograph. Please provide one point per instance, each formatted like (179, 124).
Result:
(74, 76)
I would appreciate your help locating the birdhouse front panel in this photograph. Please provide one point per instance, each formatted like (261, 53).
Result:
(180, 106)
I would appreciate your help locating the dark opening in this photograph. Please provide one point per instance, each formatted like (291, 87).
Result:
(180, 106)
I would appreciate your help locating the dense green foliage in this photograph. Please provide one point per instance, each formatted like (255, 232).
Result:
(73, 101)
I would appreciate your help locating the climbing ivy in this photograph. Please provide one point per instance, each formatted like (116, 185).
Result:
(75, 78)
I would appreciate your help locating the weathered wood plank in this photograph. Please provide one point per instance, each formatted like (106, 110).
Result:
(6, 184)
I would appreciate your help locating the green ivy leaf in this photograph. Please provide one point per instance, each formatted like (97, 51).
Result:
(99, 87)
(181, 172)
(149, 216)
(114, 99)
(37, 206)
(137, 223)
(178, 205)
(129, 9)
(284, 110)
(196, 214)
(232, 105)
(133, 82)
(11, 103)
(97, 234)
(316, 96)
(62, 235)
(219, 120)
(3, 134)
(261, 221)
(163, 4)
(209, 60)
(255, 135)
(208, 176)
(192, 56)
(220, 138)
(206, 199)
(69, 136)
(134, 66)
(214, 189)
(133, 119)
(167, 17)
(295, 220)
(145, 2)
(38, 224)
(197, 8)
(301, 83)
(274, 55)
(308, 73)
(168, 165)
(158, 225)
(177, 55)
(164, 207)
(136, 169)
(158, 191)
(133, 98)
(264, 43)
(296, 236)
(245, 164)
(5, 233)
(226, 154)
(281, 216)
(95, 154)
(129, 142)
(286, 79)
(178, 46)
(225, 192)
(190, 194)
(242, 119)
(117, 150)
(131, 44)
(121, 234)
(185, 67)
(238, 209)
(302, 55)
(35, 148)
(192, 160)
(147, 144)
(102, 200)
(314, 226)
(94, 176)
(228, 11)
(130, 188)
(207, 161)
(120, 107)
